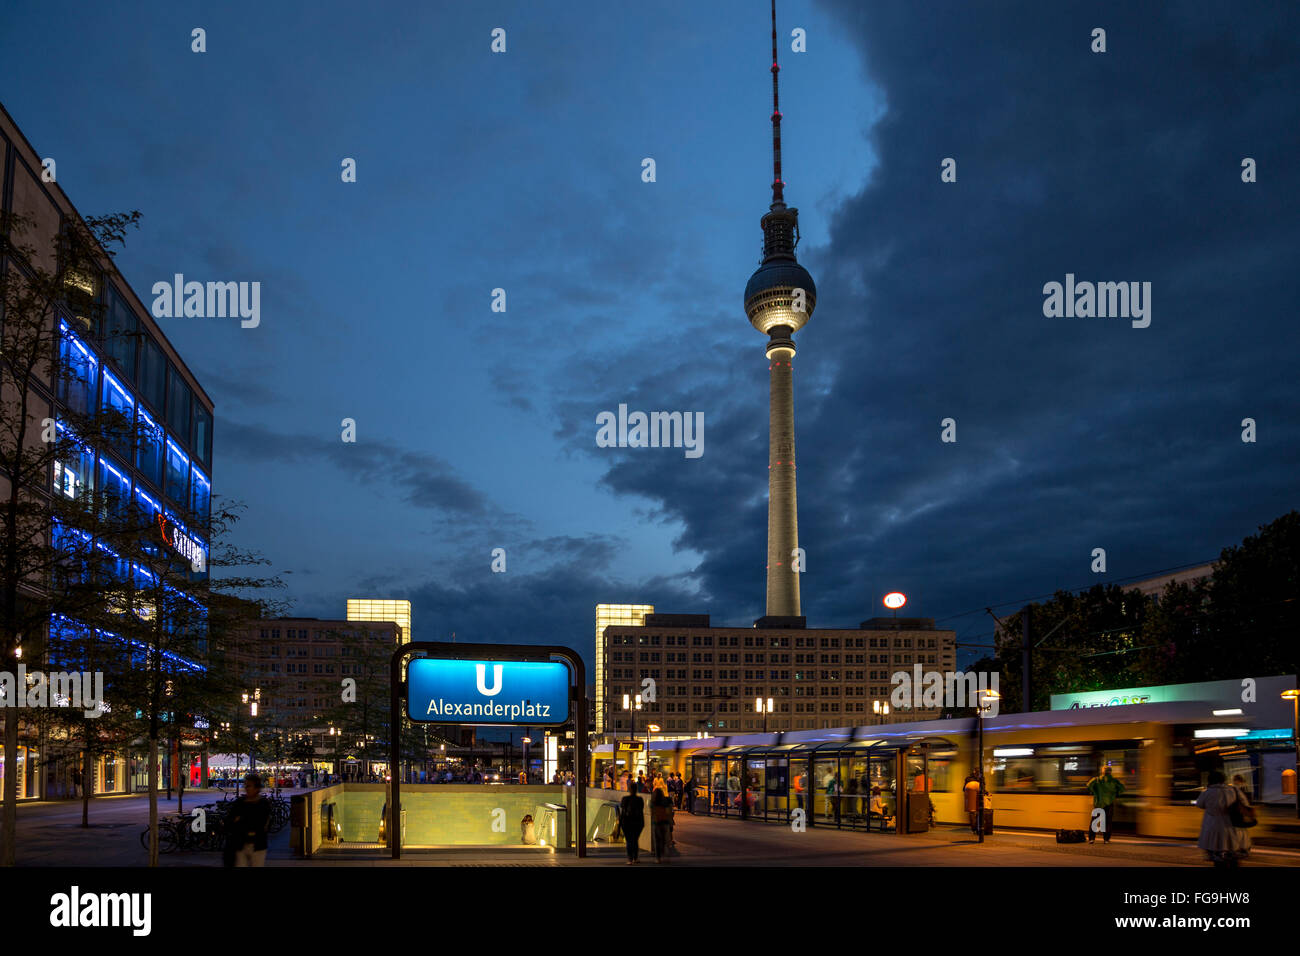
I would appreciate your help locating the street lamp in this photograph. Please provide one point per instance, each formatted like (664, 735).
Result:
(763, 707)
(632, 707)
(1294, 697)
(985, 700)
(880, 709)
(525, 741)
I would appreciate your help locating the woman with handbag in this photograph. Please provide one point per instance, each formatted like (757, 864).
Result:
(1228, 815)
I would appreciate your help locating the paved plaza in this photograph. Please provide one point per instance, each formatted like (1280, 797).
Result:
(50, 834)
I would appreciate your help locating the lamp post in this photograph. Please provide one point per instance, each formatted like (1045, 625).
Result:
(985, 700)
(1294, 697)
(763, 707)
(632, 706)
(525, 741)
(880, 709)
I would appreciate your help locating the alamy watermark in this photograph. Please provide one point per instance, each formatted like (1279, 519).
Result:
(655, 430)
(213, 300)
(917, 689)
(1103, 300)
(77, 689)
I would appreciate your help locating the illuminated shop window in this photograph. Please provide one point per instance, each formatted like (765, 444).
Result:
(78, 368)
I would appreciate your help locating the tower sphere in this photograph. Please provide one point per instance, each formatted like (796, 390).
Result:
(769, 296)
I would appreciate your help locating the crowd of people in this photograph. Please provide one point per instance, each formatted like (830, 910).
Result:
(667, 793)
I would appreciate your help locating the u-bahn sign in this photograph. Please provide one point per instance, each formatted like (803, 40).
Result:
(441, 691)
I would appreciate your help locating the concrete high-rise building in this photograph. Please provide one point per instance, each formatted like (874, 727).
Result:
(779, 300)
(373, 609)
(707, 679)
(606, 615)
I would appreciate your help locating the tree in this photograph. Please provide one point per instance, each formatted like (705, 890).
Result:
(40, 279)
(1080, 642)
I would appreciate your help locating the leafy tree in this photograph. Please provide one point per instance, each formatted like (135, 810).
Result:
(43, 275)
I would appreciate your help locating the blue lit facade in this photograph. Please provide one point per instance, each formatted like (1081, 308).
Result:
(114, 361)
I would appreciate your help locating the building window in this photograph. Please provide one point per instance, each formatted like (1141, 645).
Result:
(152, 378)
(120, 334)
(149, 452)
(77, 373)
(74, 474)
(119, 414)
(200, 496)
(115, 487)
(178, 473)
(202, 434)
(179, 405)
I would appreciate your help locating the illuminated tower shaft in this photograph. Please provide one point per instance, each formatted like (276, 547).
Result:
(779, 301)
(782, 507)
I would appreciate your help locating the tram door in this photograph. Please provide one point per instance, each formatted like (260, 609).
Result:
(917, 779)
(884, 776)
(776, 799)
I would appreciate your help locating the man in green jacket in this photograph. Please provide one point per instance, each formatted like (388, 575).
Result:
(1105, 790)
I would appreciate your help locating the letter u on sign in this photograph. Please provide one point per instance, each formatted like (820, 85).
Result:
(481, 674)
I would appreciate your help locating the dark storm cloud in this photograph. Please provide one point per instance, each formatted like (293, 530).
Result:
(1072, 433)
(428, 482)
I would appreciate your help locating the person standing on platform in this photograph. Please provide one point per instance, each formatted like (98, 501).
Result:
(631, 820)
(1224, 841)
(661, 823)
(1105, 790)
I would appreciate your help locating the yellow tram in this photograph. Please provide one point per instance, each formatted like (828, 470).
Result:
(906, 776)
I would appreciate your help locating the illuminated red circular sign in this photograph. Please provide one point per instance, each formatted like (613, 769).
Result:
(895, 599)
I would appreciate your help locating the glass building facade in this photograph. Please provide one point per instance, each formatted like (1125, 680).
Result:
(117, 375)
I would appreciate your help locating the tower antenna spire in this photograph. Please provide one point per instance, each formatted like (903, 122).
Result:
(778, 187)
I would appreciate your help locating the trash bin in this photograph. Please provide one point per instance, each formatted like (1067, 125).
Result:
(555, 824)
(918, 811)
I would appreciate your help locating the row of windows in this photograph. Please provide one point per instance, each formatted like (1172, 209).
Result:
(141, 364)
(135, 436)
(317, 635)
(653, 657)
(654, 640)
(117, 497)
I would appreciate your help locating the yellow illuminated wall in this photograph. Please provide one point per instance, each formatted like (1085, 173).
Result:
(366, 609)
(607, 614)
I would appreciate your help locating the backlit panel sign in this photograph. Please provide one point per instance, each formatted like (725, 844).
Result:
(535, 693)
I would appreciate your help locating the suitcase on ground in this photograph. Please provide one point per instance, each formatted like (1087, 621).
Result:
(1071, 836)
(988, 822)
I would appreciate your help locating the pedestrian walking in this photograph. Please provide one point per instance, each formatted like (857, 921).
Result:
(631, 821)
(1228, 815)
(1105, 790)
(246, 826)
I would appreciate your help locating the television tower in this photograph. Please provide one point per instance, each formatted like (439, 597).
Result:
(779, 300)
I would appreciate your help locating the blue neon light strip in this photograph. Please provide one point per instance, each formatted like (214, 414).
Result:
(108, 377)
